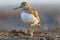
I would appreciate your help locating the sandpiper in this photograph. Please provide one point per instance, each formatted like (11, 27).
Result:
(29, 16)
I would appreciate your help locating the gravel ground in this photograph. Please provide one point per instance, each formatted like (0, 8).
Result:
(24, 35)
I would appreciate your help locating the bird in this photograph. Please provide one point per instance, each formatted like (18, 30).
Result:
(29, 16)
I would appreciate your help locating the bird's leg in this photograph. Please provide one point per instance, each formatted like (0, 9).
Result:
(31, 30)
(42, 31)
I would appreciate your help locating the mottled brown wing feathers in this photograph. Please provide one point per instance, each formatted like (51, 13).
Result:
(35, 13)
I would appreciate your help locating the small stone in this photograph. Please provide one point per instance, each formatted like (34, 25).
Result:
(11, 35)
(3, 36)
(24, 32)
(6, 34)
(35, 35)
(18, 34)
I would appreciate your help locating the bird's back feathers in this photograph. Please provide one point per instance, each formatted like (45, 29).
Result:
(35, 13)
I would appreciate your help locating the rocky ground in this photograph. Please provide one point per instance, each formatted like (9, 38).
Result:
(24, 35)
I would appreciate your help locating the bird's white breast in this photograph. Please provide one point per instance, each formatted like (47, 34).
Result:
(27, 18)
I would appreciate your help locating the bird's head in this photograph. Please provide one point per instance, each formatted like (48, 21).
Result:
(23, 5)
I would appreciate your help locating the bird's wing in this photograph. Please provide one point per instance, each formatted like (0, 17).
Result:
(35, 13)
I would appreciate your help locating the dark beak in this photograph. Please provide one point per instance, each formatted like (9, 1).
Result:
(17, 7)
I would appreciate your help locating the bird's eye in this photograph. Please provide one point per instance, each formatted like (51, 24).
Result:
(24, 4)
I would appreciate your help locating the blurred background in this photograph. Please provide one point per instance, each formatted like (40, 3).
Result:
(49, 12)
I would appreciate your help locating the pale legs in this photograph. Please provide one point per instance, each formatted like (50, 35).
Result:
(31, 29)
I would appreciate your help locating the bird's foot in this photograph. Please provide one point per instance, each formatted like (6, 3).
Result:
(30, 35)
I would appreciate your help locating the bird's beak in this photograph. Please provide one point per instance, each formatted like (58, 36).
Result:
(17, 7)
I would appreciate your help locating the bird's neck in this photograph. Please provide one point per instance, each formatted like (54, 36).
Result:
(29, 10)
